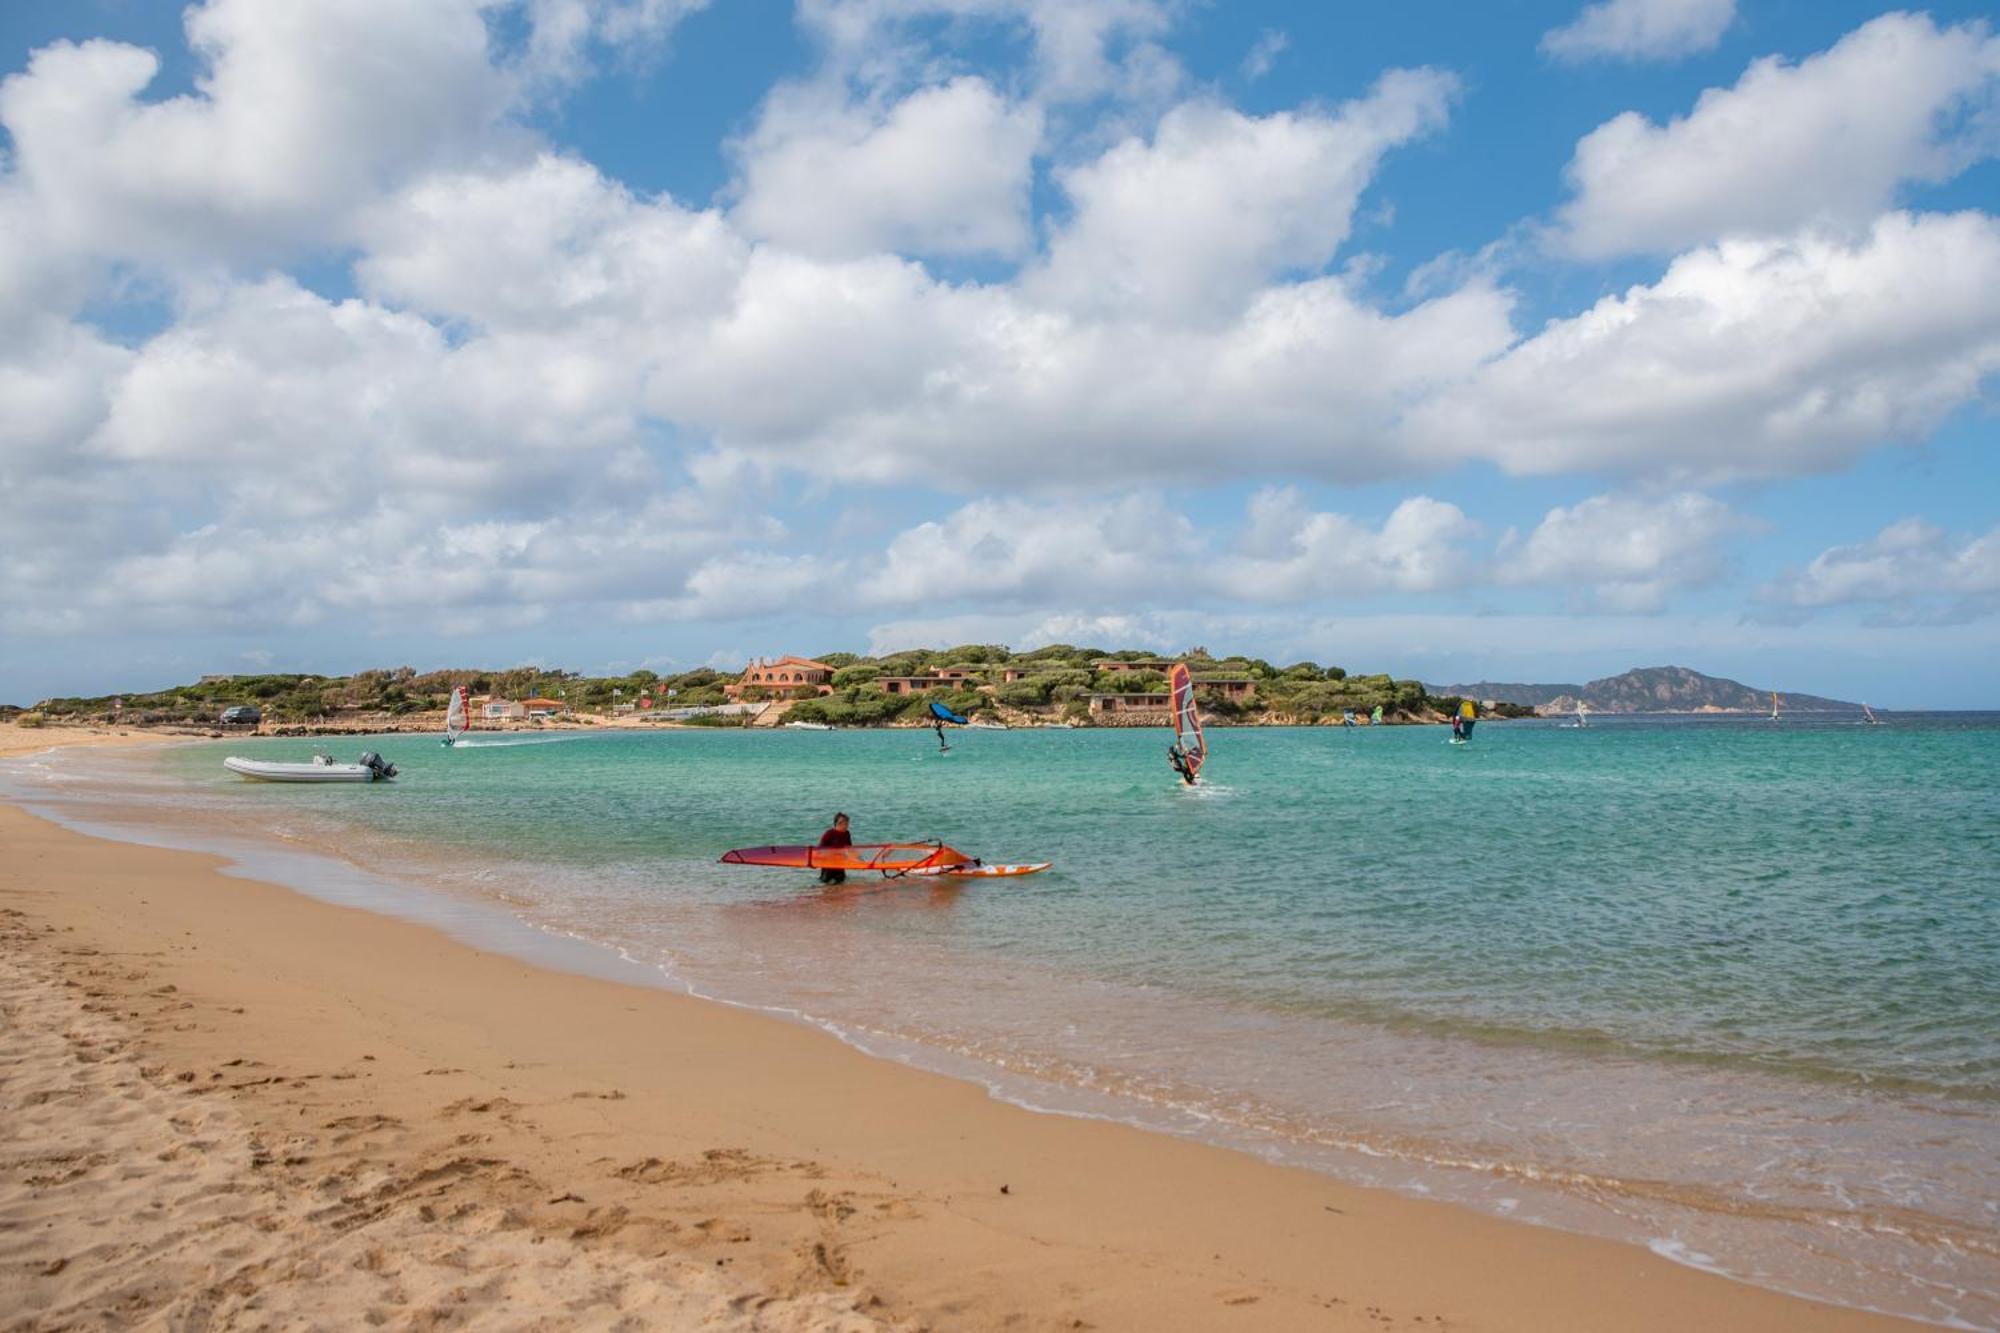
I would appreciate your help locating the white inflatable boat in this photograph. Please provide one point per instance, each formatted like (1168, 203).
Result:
(370, 768)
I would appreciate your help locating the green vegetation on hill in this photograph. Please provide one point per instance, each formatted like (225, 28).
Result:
(1056, 681)
(394, 692)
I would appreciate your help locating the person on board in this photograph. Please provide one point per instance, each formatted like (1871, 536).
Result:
(1457, 727)
(1179, 759)
(937, 725)
(837, 836)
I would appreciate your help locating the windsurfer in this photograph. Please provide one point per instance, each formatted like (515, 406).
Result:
(1179, 759)
(837, 836)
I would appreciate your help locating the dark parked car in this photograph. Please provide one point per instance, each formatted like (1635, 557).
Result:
(242, 715)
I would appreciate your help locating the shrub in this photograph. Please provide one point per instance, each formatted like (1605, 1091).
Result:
(1030, 693)
(31, 721)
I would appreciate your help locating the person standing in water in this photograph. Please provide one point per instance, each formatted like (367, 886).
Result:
(837, 836)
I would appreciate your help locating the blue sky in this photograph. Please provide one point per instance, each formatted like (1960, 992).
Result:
(1545, 341)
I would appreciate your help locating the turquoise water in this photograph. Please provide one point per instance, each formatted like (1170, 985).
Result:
(1724, 987)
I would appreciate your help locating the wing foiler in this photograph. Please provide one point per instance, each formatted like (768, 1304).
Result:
(1189, 751)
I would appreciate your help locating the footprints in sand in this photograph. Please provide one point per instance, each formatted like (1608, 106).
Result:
(713, 1167)
(186, 1193)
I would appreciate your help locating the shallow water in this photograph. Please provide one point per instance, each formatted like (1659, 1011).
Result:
(1724, 987)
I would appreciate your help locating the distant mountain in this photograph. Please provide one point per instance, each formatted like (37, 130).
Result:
(1666, 689)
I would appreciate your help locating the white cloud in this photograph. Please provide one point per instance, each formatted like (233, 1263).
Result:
(1751, 358)
(1911, 571)
(1264, 53)
(1641, 29)
(551, 246)
(1289, 553)
(1011, 551)
(562, 34)
(335, 457)
(944, 171)
(1829, 140)
(301, 111)
(1191, 224)
(1625, 553)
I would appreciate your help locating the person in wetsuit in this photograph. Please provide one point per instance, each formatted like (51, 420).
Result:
(1179, 759)
(837, 836)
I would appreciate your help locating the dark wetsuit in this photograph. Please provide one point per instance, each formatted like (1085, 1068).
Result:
(835, 837)
(1179, 759)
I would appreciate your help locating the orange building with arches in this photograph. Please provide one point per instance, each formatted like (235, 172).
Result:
(796, 676)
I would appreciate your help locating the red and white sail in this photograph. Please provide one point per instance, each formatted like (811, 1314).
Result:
(1187, 719)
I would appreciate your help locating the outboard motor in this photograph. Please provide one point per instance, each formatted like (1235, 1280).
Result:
(381, 768)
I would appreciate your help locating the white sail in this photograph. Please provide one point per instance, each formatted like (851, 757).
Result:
(456, 715)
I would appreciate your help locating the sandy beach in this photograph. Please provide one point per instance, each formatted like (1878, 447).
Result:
(224, 1104)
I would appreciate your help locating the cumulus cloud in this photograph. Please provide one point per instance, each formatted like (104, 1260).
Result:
(1625, 553)
(1910, 571)
(300, 111)
(564, 392)
(1135, 555)
(1751, 358)
(944, 171)
(1641, 30)
(1289, 553)
(1191, 223)
(1831, 139)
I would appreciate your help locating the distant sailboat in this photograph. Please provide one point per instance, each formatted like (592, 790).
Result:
(457, 716)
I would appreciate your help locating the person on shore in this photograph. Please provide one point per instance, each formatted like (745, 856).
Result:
(837, 836)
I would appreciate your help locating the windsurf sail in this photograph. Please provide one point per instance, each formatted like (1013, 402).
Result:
(1581, 720)
(890, 858)
(1774, 705)
(1375, 717)
(1187, 722)
(1868, 716)
(943, 714)
(1468, 718)
(457, 715)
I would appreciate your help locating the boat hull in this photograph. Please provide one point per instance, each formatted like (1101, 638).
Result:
(263, 770)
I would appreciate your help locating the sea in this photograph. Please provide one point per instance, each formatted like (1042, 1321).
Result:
(1724, 988)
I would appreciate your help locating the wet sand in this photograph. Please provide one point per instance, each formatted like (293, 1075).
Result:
(225, 1104)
